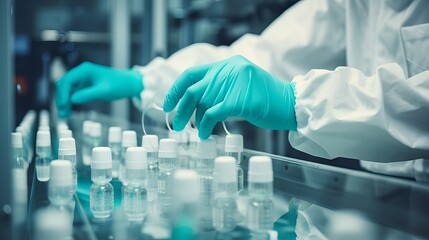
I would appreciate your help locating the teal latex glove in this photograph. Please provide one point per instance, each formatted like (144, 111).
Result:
(234, 87)
(88, 82)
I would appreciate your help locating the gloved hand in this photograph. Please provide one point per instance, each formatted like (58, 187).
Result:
(233, 87)
(88, 82)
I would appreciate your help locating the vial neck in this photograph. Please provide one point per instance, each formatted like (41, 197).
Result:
(167, 164)
(43, 152)
(260, 190)
(236, 155)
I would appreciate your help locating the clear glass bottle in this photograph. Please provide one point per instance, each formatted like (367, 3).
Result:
(225, 187)
(129, 139)
(115, 143)
(135, 194)
(192, 150)
(18, 151)
(150, 143)
(95, 136)
(182, 143)
(206, 154)
(60, 183)
(167, 163)
(19, 177)
(25, 146)
(185, 210)
(86, 148)
(66, 133)
(67, 151)
(234, 148)
(260, 206)
(101, 195)
(43, 155)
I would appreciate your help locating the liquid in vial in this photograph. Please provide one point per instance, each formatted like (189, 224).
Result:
(135, 194)
(115, 143)
(260, 207)
(43, 155)
(101, 193)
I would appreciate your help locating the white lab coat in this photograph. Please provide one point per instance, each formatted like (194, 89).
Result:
(361, 70)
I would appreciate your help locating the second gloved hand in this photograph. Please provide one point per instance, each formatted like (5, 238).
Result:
(88, 82)
(234, 87)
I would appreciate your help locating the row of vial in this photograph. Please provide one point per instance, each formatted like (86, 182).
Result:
(199, 156)
(214, 192)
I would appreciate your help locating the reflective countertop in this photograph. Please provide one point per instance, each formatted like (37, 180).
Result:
(312, 201)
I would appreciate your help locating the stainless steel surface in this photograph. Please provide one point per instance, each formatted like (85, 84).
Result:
(393, 202)
(307, 196)
(7, 103)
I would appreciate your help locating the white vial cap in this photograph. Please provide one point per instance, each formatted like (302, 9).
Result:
(44, 128)
(186, 186)
(180, 137)
(129, 139)
(62, 126)
(16, 140)
(61, 173)
(86, 126)
(43, 139)
(193, 136)
(115, 135)
(65, 134)
(225, 170)
(136, 158)
(22, 129)
(167, 148)
(95, 130)
(234, 143)
(206, 149)
(101, 158)
(260, 169)
(150, 143)
(52, 223)
(67, 146)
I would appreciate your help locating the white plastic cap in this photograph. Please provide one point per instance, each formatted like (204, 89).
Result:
(206, 149)
(193, 136)
(43, 139)
(86, 126)
(225, 170)
(22, 129)
(136, 158)
(67, 146)
(150, 143)
(101, 158)
(44, 128)
(167, 148)
(16, 140)
(61, 173)
(234, 143)
(115, 135)
(186, 186)
(62, 126)
(52, 223)
(65, 134)
(129, 139)
(180, 137)
(260, 169)
(95, 130)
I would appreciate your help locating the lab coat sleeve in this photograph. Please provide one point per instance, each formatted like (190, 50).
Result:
(285, 49)
(378, 118)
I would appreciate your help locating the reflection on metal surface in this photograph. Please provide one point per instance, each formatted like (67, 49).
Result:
(310, 199)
